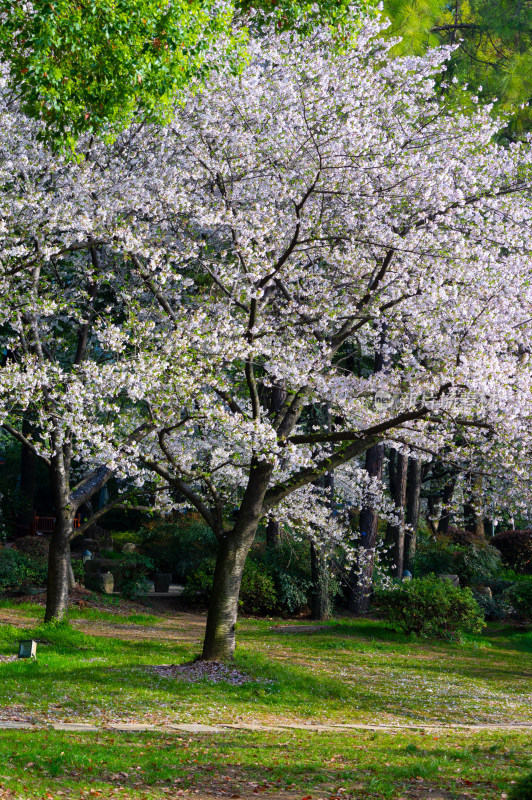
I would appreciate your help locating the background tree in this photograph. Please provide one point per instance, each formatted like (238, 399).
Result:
(493, 40)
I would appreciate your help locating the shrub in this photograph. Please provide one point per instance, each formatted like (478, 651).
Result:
(13, 569)
(257, 592)
(133, 569)
(522, 790)
(178, 547)
(434, 556)
(520, 596)
(474, 564)
(289, 566)
(496, 607)
(477, 564)
(431, 607)
(199, 583)
(516, 549)
(18, 570)
(34, 546)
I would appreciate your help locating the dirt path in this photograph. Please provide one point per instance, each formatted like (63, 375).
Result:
(198, 727)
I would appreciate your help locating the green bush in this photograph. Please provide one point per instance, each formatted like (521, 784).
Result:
(178, 546)
(431, 607)
(520, 596)
(289, 566)
(257, 592)
(496, 607)
(474, 563)
(13, 569)
(133, 569)
(199, 583)
(18, 570)
(522, 790)
(516, 549)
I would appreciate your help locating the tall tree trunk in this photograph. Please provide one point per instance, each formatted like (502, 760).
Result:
(447, 496)
(362, 573)
(233, 549)
(277, 398)
(272, 534)
(27, 482)
(71, 576)
(59, 556)
(395, 533)
(320, 606)
(473, 513)
(412, 510)
(59, 567)
(320, 597)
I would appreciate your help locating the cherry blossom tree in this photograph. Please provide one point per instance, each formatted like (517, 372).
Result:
(290, 215)
(323, 202)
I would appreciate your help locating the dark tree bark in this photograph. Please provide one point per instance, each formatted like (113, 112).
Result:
(361, 576)
(59, 569)
(473, 514)
(395, 533)
(320, 597)
(272, 534)
(27, 482)
(447, 496)
(412, 510)
(59, 565)
(276, 401)
(320, 606)
(233, 549)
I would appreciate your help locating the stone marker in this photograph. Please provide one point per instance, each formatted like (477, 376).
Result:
(106, 582)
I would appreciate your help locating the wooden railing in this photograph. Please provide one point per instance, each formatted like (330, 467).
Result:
(39, 525)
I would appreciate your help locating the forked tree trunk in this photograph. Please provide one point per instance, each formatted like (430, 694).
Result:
(361, 577)
(412, 510)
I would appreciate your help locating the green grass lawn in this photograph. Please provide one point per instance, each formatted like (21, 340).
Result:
(100, 670)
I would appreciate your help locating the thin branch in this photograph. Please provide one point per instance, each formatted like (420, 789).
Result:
(26, 442)
(185, 490)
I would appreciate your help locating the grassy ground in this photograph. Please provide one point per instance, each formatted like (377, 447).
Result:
(288, 765)
(103, 669)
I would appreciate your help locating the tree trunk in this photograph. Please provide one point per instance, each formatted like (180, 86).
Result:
(27, 482)
(59, 565)
(320, 600)
(71, 576)
(276, 400)
(272, 534)
(233, 548)
(412, 510)
(447, 496)
(59, 568)
(361, 576)
(219, 642)
(395, 533)
(473, 513)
